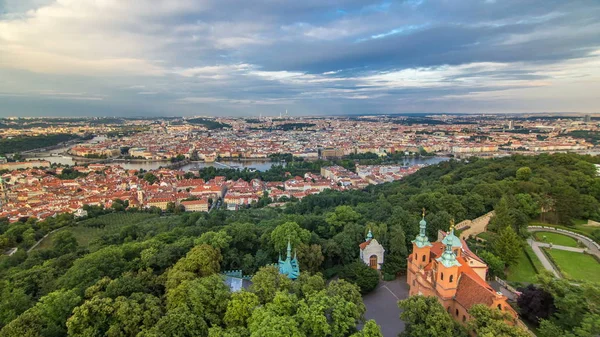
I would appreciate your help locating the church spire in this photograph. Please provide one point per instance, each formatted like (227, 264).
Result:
(369, 235)
(289, 249)
(421, 240)
(448, 258)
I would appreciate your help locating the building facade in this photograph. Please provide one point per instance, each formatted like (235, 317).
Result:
(372, 252)
(448, 270)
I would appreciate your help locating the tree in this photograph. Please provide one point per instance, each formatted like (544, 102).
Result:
(46, 318)
(425, 317)
(289, 231)
(265, 323)
(240, 308)
(323, 314)
(523, 173)
(486, 321)
(535, 304)
(64, 242)
(267, 282)
(495, 264)
(123, 316)
(178, 322)
(341, 216)
(205, 297)
(370, 329)
(150, 178)
(310, 258)
(502, 217)
(202, 260)
(218, 239)
(363, 276)
(507, 246)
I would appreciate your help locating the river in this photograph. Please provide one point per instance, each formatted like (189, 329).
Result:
(195, 166)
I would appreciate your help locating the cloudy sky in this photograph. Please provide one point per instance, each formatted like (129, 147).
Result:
(312, 57)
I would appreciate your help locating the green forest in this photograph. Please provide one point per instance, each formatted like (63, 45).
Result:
(130, 273)
(26, 143)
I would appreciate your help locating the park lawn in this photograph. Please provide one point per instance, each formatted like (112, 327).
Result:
(523, 271)
(555, 239)
(487, 236)
(104, 224)
(575, 265)
(577, 228)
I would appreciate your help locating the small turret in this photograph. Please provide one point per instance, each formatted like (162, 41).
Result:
(448, 258)
(421, 240)
(369, 235)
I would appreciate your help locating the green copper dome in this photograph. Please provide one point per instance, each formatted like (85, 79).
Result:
(421, 240)
(452, 240)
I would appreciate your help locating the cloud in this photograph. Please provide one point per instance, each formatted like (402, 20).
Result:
(353, 56)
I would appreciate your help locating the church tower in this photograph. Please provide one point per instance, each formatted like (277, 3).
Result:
(447, 268)
(3, 192)
(289, 267)
(421, 246)
(420, 257)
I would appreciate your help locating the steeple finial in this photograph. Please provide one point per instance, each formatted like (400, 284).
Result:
(369, 235)
(421, 240)
(289, 249)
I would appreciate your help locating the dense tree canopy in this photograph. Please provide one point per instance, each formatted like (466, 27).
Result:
(140, 262)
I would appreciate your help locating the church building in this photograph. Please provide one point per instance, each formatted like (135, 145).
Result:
(448, 270)
(289, 267)
(371, 252)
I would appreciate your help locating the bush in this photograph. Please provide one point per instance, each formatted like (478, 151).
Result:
(363, 276)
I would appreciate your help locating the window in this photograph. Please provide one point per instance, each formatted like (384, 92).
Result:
(451, 278)
(423, 258)
(464, 318)
(448, 309)
(456, 312)
(442, 276)
(415, 256)
(414, 283)
(499, 307)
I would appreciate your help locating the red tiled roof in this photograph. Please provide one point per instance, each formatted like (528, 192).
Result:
(471, 292)
(364, 244)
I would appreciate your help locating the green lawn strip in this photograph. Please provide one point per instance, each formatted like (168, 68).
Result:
(523, 271)
(577, 266)
(555, 239)
(487, 236)
(539, 267)
(84, 234)
(580, 229)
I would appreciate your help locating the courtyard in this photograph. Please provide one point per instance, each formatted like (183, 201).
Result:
(382, 305)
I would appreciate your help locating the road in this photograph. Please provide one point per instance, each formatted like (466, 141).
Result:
(536, 246)
(382, 306)
(591, 247)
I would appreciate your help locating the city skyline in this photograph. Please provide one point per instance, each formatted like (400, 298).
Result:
(157, 58)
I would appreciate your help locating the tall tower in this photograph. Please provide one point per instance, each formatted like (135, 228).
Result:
(447, 268)
(3, 192)
(420, 257)
(141, 197)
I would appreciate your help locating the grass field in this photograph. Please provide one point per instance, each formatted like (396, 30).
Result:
(574, 265)
(555, 239)
(525, 271)
(487, 236)
(579, 227)
(88, 230)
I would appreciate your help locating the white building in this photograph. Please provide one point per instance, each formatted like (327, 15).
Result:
(372, 252)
